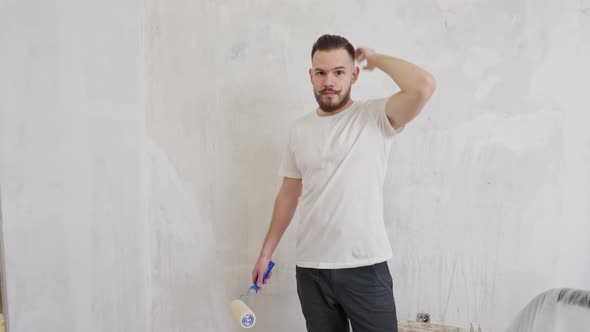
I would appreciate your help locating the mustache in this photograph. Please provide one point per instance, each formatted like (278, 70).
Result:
(329, 90)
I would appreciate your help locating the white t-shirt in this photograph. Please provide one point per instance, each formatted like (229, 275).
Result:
(342, 161)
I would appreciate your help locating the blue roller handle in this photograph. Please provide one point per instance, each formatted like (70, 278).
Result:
(270, 266)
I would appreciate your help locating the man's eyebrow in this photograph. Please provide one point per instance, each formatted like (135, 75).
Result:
(336, 68)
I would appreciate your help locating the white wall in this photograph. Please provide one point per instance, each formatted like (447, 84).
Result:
(72, 170)
(488, 194)
(141, 191)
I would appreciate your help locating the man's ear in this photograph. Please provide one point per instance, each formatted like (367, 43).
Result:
(355, 74)
(311, 75)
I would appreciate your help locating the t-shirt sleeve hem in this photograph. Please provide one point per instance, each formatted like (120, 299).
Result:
(287, 174)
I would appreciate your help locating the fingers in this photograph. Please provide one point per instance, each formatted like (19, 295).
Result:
(362, 54)
(359, 53)
(258, 273)
(259, 280)
(360, 57)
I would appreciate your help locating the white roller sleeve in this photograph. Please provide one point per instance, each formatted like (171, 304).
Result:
(242, 314)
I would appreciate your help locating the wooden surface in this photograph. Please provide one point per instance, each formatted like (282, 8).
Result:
(410, 326)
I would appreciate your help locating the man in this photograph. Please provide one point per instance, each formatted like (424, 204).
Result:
(334, 169)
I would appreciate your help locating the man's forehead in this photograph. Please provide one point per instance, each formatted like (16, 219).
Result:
(331, 59)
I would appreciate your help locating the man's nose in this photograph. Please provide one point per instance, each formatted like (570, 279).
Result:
(328, 81)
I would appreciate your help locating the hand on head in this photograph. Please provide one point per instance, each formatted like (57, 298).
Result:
(365, 54)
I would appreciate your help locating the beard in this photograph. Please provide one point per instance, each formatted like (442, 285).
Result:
(332, 104)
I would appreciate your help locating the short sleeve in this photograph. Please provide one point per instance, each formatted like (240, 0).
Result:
(288, 167)
(377, 110)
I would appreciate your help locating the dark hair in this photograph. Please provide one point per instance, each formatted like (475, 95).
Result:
(332, 42)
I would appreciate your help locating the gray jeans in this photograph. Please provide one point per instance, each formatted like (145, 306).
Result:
(331, 297)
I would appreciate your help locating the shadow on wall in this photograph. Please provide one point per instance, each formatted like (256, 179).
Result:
(181, 240)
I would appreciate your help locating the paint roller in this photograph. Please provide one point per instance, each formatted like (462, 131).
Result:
(243, 315)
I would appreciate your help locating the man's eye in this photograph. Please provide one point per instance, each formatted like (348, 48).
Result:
(340, 72)
(320, 73)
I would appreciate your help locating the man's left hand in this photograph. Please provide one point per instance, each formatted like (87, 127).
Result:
(363, 53)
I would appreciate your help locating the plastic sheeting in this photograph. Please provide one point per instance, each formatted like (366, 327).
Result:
(556, 310)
